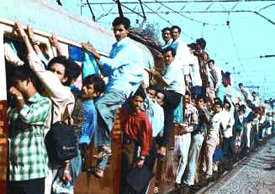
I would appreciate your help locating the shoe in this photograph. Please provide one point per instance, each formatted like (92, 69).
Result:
(102, 154)
(98, 173)
(209, 178)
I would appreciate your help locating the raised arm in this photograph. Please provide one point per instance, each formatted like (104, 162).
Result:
(90, 48)
(54, 41)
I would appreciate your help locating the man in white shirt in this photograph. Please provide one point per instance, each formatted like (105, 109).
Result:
(194, 72)
(255, 99)
(228, 144)
(182, 51)
(166, 36)
(213, 138)
(173, 82)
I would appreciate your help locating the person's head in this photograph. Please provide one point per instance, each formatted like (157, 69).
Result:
(175, 32)
(192, 47)
(166, 34)
(240, 85)
(241, 111)
(254, 94)
(209, 106)
(74, 71)
(201, 43)
(151, 92)
(137, 100)
(211, 63)
(169, 54)
(64, 69)
(226, 105)
(187, 98)
(237, 106)
(217, 107)
(93, 86)
(160, 98)
(21, 80)
(200, 101)
(121, 27)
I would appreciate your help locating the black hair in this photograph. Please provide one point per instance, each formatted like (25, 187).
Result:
(200, 97)
(140, 92)
(201, 42)
(192, 46)
(167, 49)
(21, 72)
(211, 60)
(71, 68)
(227, 102)
(218, 102)
(240, 84)
(150, 87)
(97, 81)
(122, 20)
(176, 27)
(165, 29)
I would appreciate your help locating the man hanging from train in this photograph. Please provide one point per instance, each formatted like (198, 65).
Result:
(124, 69)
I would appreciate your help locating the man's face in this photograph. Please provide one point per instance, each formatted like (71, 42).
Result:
(59, 70)
(187, 99)
(200, 103)
(21, 85)
(254, 94)
(168, 58)
(175, 33)
(160, 98)
(211, 65)
(88, 92)
(120, 32)
(151, 93)
(137, 102)
(217, 108)
(166, 35)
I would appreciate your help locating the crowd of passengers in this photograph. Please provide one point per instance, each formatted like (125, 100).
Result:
(187, 97)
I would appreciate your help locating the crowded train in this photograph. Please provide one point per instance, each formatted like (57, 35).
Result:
(79, 120)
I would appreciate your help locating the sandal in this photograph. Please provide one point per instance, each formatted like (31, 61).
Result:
(102, 154)
(95, 171)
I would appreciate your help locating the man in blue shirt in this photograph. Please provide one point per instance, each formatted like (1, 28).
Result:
(124, 69)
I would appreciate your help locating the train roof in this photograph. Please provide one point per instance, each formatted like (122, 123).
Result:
(51, 18)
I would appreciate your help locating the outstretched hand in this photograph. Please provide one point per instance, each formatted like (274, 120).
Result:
(90, 48)
(30, 33)
(53, 40)
(19, 29)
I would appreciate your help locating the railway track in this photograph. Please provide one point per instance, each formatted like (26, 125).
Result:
(254, 173)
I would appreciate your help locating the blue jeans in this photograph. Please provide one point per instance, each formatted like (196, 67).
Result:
(107, 107)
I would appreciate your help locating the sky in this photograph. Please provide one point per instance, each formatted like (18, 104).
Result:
(235, 47)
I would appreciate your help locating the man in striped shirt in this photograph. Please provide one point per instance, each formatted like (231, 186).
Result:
(28, 159)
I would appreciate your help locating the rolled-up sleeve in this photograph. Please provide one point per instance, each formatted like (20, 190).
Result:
(37, 113)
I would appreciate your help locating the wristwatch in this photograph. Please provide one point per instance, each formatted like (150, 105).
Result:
(36, 42)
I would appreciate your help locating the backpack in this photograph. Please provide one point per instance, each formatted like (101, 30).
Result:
(60, 142)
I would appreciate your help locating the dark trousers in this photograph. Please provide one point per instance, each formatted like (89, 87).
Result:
(128, 159)
(151, 159)
(34, 186)
(171, 102)
(228, 148)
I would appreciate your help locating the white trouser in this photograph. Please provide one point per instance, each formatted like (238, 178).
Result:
(210, 146)
(184, 144)
(195, 148)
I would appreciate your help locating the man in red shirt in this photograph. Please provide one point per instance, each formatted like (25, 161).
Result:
(137, 137)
